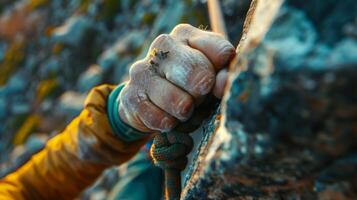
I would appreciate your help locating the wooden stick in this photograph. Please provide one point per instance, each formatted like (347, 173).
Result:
(216, 18)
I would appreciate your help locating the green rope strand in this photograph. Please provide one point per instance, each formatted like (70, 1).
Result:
(169, 152)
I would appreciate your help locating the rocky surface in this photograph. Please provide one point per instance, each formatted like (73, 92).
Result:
(289, 114)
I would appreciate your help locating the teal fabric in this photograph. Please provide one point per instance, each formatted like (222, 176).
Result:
(121, 130)
(140, 181)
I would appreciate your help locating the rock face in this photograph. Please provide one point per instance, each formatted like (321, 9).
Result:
(290, 111)
(73, 31)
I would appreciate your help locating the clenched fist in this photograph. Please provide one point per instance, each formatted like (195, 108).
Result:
(180, 69)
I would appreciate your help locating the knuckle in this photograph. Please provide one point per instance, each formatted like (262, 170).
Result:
(161, 41)
(136, 69)
(217, 36)
(163, 37)
(126, 97)
(182, 28)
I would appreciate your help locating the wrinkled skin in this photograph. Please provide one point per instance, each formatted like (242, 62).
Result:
(158, 97)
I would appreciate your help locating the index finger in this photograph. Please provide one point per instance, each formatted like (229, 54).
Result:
(214, 46)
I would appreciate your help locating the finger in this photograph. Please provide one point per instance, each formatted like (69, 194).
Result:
(221, 80)
(137, 110)
(190, 70)
(217, 49)
(184, 66)
(154, 118)
(170, 98)
(131, 119)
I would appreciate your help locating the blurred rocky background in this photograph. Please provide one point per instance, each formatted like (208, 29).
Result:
(290, 120)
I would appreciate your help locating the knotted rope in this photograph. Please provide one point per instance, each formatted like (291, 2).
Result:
(169, 152)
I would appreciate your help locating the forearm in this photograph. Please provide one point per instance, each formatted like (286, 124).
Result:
(73, 159)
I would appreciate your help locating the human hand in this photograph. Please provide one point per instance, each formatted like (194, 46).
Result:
(180, 69)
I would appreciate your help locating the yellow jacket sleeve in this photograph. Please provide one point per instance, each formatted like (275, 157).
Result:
(73, 159)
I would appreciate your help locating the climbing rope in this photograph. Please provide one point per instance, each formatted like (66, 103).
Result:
(169, 152)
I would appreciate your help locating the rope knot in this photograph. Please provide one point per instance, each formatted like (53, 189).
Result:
(169, 150)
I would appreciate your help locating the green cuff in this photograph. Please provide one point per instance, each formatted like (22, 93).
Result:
(121, 130)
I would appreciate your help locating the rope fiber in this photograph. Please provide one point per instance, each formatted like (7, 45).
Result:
(169, 152)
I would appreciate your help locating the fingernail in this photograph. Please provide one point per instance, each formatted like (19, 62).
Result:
(226, 47)
(185, 110)
(227, 52)
(166, 124)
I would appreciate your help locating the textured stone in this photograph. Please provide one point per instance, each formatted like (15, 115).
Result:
(2, 107)
(17, 83)
(74, 31)
(126, 46)
(19, 108)
(2, 50)
(288, 128)
(291, 37)
(344, 52)
(50, 67)
(92, 77)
